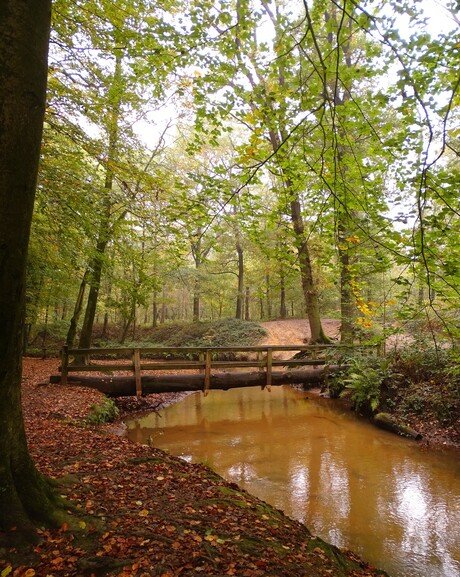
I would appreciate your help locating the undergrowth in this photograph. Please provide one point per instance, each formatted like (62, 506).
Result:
(418, 381)
(219, 333)
(105, 412)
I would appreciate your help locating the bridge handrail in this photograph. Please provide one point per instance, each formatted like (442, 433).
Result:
(204, 363)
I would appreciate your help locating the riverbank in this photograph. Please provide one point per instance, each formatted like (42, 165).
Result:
(141, 512)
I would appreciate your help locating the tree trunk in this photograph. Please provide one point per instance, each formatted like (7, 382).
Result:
(247, 299)
(93, 294)
(308, 285)
(25, 496)
(268, 296)
(346, 295)
(72, 332)
(155, 310)
(118, 386)
(240, 293)
(283, 309)
(104, 229)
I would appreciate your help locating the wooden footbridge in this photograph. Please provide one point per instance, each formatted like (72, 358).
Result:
(141, 371)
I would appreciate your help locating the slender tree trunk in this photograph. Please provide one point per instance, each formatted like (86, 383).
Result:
(240, 293)
(93, 294)
(72, 332)
(246, 305)
(155, 310)
(25, 496)
(346, 295)
(268, 296)
(283, 309)
(163, 307)
(196, 302)
(104, 230)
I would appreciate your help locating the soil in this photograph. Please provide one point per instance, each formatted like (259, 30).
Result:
(296, 331)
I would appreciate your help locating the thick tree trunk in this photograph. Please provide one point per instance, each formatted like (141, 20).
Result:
(125, 386)
(25, 495)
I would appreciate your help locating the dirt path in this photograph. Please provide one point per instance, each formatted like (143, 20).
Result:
(294, 332)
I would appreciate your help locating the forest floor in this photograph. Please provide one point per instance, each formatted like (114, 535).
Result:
(138, 511)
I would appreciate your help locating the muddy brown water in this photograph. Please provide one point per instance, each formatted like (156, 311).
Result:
(387, 498)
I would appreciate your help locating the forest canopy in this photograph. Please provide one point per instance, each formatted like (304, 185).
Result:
(248, 159)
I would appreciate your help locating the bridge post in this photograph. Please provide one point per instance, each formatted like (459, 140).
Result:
(207, 372)
(137, 372)
(268, 382)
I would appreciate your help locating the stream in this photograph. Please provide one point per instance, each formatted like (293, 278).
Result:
(388, 499)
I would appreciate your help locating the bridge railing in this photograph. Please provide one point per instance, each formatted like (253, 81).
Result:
(203, 359)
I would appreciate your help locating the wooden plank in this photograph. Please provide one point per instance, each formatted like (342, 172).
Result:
(184, 365)
(268, 382)
(137, 372)
(260, 360)
(255, 348)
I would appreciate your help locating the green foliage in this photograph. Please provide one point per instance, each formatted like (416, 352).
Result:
(106, 412)
(362, 382)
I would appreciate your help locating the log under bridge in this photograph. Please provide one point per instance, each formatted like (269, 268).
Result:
(197, 368)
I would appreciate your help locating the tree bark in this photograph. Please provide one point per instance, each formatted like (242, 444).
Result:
(25, 496)
(240, 293)
(347, 307)
(306, 270)
(72, 332)
(125, 386)
(97, 263)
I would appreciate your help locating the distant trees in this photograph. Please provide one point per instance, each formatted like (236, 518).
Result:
(276, 193)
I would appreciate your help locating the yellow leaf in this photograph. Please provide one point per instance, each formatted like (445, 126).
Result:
(143, 513)
(82, 525)
(6, 571)
(29, 573)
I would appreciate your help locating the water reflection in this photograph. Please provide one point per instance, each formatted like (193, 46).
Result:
(350, 483)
